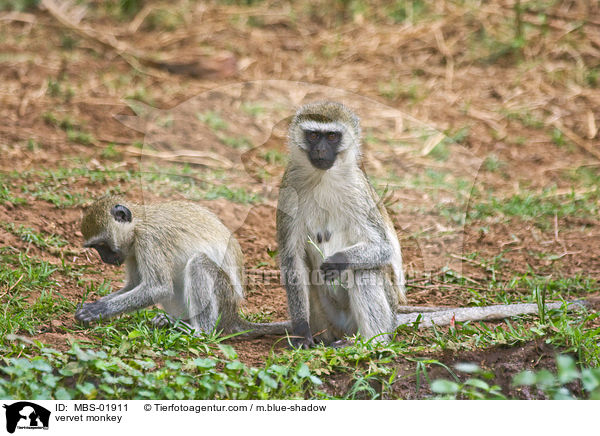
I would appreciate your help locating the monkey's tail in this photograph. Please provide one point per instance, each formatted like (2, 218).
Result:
(485, 313)
(257, 329)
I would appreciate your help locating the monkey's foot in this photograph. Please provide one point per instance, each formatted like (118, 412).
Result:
(342, 343)
(161, 321)
(301, 343)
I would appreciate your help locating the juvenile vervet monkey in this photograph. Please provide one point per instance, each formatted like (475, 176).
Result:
(340, 258)
(177, 255)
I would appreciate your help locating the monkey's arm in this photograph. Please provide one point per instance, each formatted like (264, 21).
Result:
(126, 288)
(364, 255)
(486, 313)
(139, 297)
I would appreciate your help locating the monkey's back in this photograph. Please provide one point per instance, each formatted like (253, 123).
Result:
(178, 230)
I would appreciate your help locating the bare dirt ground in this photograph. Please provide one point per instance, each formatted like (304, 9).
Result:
(428, 70)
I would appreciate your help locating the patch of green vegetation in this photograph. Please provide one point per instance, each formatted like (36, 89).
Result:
(212, 185)
(332, 50)
(39, 239)
(122, 9)
(592, 77)
(68, 41)
(261, 316)
(503, 42)
(111, 152)
(163, 19)
(583, 176)
(559, 138)
(525, 117)
(240, 142)
(567, 372)
(441, 151)
(274, 157)
(554, 386)
(493, 163)
(20, 276)
(66, 123)
(103, 374)
(18, 5)
(474, 388)
(133, 360)
(237, 195)
(213, 120)
(254, 109)
(537, 208)
(395, 89)
(55, 186)
(80, 137)
(32, 145)
(6, 195)
(241, 2)
(406, 10)
(57, 88)
(140, 93)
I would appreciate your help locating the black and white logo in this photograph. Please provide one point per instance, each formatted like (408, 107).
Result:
(26, 415)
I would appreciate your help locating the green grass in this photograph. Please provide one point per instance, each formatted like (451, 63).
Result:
(7, 196)
(537, 208)
(213, 120)
(126, 358)
(556, 385)
(72, 128)
(21, 277)
(240, 142)
(39, 239)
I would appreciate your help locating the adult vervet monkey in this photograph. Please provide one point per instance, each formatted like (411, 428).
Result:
(177, 255)
(339, 254)
(330, 220)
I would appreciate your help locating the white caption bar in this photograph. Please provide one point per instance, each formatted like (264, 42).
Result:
(443, 418)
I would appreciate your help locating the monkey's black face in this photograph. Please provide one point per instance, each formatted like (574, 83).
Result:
(322, 147)
(108, 255)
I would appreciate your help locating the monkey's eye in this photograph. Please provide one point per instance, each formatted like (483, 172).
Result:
(334, 137)
(313, 136)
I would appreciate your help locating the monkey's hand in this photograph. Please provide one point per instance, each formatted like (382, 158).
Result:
(90, 312)
(333, 265)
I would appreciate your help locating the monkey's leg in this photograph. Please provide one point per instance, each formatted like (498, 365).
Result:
(320, 320)
(200, 293)
(294, 274)
(370, 306)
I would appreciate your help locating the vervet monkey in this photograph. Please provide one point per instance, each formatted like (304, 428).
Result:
(339, 254)
(177, 255)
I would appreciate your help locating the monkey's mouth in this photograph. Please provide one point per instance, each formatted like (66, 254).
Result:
(109, 256)
(322, 164)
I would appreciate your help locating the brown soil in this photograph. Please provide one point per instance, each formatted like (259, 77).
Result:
(452, 91)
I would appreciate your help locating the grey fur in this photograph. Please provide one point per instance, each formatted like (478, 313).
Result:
(179, 256)
(339, 202)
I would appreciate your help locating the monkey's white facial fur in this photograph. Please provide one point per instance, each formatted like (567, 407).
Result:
(325, 133)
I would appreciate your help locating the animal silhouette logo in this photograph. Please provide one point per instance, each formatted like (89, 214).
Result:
(26, 415)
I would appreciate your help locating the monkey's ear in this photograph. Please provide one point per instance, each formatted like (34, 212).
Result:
(121, 214)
